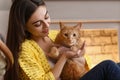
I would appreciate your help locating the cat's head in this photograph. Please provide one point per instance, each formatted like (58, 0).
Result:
(70, 34)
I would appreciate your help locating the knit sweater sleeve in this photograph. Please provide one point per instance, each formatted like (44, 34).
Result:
(34, 65)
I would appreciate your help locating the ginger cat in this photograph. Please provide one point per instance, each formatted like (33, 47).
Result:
(69, 36)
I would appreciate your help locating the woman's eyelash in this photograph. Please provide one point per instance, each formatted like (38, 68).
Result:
(37, 24)
(46, 17)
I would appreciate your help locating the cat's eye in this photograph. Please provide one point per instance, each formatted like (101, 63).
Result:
(74, 34)
(66, 34)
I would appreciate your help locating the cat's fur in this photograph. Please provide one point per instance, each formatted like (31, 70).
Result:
(69, 36)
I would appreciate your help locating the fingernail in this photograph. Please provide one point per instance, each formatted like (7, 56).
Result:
(78, 51)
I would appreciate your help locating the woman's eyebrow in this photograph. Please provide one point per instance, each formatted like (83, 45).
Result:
(40, 20)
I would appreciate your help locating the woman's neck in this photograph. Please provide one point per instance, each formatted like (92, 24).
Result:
(39, 39)
(44, 43)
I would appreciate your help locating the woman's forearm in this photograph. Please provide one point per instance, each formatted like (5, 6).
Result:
(59, 66)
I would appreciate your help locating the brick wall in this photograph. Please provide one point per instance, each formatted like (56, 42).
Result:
(101, 44)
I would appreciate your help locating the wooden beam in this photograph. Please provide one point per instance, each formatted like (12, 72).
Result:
(85, 21)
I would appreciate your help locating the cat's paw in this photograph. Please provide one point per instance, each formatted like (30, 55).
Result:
(54, 52)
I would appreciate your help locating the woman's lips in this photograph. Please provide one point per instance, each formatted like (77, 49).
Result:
(45, 31)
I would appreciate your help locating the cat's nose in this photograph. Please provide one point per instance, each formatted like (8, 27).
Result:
(70, 41)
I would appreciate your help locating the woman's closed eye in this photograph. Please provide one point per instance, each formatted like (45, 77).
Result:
(47, 16)
(37, 24)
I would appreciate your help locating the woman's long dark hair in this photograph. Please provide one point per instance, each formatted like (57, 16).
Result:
(20, 12)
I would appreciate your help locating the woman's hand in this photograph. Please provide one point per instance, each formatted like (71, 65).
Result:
(70, 54)
(81, 51)
(76, 54)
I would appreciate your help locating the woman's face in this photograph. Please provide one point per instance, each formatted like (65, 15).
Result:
(38, 24)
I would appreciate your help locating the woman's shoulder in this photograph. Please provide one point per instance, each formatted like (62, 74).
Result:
(28, 43)
(28, 46)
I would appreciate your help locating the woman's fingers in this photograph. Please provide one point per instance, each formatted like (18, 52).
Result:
(81, 52)
(83, 45)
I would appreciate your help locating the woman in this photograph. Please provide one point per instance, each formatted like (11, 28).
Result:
(28, 40)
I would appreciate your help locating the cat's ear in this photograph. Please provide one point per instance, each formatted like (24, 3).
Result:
(61, 25)
(78, 26)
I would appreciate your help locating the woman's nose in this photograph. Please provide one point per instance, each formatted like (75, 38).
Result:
(46, 23)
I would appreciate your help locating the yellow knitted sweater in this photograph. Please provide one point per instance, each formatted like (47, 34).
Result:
(33, 63)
